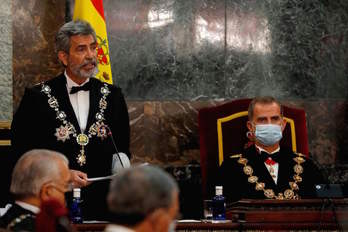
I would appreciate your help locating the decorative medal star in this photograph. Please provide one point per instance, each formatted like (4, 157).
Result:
(62, 133)
(101, 130)
(81, 159)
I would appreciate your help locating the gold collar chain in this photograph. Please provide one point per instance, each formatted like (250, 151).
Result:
(19, 219)
(63, 133)
(289, 194)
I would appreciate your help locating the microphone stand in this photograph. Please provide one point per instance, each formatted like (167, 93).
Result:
(327, 202)
(114, 144)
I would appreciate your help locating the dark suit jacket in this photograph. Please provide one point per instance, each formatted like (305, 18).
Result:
(34, 126)
(235, 181)
(17, 212)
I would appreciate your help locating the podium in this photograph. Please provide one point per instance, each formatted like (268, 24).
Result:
(256, 215)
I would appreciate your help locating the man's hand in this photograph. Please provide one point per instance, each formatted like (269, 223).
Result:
(79, 179)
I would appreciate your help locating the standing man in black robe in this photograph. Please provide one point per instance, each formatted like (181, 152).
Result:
(265, 170)
(77, 115)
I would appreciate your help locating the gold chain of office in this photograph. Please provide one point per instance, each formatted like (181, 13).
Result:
(289, 194)
(63, 133)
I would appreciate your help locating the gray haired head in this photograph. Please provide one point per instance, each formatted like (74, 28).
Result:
(77, 27)
(33, 169)
(137, 192)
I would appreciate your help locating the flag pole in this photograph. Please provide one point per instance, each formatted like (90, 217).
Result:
(68, 13)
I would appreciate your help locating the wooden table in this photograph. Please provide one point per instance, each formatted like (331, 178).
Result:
(311, 214)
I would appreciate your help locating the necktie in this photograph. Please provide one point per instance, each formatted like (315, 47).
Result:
(85, 87)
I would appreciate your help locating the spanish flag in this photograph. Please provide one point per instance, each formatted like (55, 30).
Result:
(92, 11)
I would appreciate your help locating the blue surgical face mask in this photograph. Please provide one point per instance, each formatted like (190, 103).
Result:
(268, 134)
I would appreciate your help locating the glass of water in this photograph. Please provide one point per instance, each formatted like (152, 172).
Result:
(208, 209)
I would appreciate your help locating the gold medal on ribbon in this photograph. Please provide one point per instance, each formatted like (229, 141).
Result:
(82, 139)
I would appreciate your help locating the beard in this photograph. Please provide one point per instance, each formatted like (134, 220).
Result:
(78, 70)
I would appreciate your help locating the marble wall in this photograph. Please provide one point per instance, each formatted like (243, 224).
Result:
(210, 49)
(173, 57)
(5, 61)
(35, 24)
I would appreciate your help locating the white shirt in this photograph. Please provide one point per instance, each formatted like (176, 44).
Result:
(275, 166)
(79, 102)
(117, 228)
(31, 208)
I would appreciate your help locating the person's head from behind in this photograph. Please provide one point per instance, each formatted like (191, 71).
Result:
(145, 199)
(40, 175)
(76, 46)
(266, 122)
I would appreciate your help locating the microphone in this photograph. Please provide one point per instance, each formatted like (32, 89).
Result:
(119, 160)
(326, 189)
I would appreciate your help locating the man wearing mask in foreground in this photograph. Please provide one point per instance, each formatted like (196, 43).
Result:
(265, 170)
(143, 199)
(39, 175)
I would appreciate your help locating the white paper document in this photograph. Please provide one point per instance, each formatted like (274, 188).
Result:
(101, 178)
(127, 165)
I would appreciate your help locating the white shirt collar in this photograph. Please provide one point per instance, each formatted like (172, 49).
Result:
(261, 149)
(70, 83)
(117, 228)
(29, 207)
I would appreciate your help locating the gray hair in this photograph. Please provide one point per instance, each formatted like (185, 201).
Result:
(77, 27)
(33, 169)
(137, 192)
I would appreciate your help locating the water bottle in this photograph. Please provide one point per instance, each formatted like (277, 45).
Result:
(219, 205)
(75, 209)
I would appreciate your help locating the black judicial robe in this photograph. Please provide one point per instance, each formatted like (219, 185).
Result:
(34, 126)
(235, 181)
(18, 219)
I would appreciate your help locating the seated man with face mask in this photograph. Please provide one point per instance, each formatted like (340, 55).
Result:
(266, 170)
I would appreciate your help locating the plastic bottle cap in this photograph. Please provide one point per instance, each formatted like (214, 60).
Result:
(77, 192)
(218, 190)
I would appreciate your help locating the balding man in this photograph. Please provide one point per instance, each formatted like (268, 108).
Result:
(39, 175)
(143, 199)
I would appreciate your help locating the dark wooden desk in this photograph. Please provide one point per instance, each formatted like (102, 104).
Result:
(270, 215)
(238, 226)
(191, 226)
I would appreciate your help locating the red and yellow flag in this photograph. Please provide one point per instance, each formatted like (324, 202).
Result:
(92, 11)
